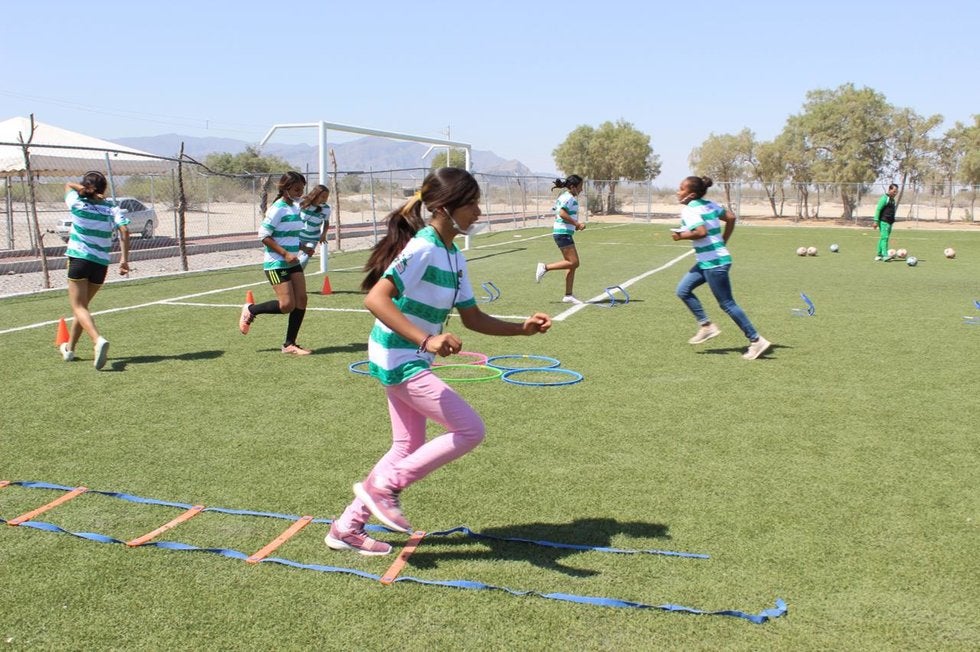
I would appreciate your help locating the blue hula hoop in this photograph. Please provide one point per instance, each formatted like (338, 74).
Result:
(354, 366)
(575, 377)
(551, 362)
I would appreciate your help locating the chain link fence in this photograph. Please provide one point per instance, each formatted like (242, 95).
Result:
(182, 213)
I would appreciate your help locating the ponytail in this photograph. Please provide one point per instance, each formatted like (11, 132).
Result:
(572, 180)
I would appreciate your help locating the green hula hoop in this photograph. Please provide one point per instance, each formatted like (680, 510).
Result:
(495, 373)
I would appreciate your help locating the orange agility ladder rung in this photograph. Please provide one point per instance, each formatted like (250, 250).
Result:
(279, 540)
(186, 516)
(77, 491)
(396, 567)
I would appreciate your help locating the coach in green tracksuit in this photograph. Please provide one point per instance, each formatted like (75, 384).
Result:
(884, 218)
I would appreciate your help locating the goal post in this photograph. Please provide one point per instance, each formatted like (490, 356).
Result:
(323, 127)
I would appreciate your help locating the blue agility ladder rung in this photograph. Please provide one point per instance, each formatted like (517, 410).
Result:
(780, 609)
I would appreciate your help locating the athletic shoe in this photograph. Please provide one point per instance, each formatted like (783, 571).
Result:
(66, 353)
(101, 352)
(245, 320)
(355, 540)
(705, 333)
(757, 348)
(539, 272)
(878, 258)
(568, 298)
(295, 349)
(384, 504)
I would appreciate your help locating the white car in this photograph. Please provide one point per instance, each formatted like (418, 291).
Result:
(142, 219)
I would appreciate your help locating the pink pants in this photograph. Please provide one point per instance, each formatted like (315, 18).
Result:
(411, 458)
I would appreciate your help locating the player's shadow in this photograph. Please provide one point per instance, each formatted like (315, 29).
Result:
(728, 350)
(120, 364)
(352, 347)
(594, 532)
(496, 253)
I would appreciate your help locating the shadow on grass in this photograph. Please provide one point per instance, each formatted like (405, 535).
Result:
(741, 349)
(120, 364)
(353, 347)
(596, 532)
(497, 253)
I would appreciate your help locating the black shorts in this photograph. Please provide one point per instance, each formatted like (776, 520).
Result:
(277, 276)
(80, 269)
(563, 240)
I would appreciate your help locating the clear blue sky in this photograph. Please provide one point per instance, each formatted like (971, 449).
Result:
(514, 77)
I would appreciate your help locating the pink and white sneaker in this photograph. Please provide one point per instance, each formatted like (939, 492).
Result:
(358, 540)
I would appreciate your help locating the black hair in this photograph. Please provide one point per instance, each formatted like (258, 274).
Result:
(94, 183)
(287, 180)
(571, 180)
(698, 185)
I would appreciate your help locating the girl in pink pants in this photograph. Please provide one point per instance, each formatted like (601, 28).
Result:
(416, 277)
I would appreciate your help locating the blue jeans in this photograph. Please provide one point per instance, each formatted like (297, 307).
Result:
(721, 287)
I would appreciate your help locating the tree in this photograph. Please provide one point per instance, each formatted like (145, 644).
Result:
(724, 158)
(911, 147)
(456, 159)
(769, 169)
(607, 155)
(251, 161)
(847, 131)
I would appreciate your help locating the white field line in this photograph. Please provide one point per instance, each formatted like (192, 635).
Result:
(625, 284)
(181, 300)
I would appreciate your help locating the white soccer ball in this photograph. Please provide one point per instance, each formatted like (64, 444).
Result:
(801, 251)
(912, 261)
(891, 253)
(834, 248)
(811, 251)
(949, 252)
(902, 253)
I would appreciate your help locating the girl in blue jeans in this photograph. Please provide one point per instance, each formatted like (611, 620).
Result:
(701, 221)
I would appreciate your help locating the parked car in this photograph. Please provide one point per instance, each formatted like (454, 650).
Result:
(142, 219)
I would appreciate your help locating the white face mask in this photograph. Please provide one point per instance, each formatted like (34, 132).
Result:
(459, 229)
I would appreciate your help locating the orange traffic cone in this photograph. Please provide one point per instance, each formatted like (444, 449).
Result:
(326, 285)
(61, 337)
(248, 297)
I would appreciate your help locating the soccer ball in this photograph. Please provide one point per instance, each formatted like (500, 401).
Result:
(834, 248)
(902, 253)
(801, 251)
(891, 253)
(811, 251)
(912, 261)
(949, 252)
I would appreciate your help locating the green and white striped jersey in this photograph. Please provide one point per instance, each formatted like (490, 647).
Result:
(567, 201)
(282, 222)
(710, 250)
(431, 280)
(90, 236)
(314, 218)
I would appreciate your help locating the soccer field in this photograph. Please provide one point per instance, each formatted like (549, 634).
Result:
(838, 472)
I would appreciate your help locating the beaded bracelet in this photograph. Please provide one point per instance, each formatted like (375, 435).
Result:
(424, 342)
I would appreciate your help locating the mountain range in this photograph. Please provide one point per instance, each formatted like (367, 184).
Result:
(362, 154)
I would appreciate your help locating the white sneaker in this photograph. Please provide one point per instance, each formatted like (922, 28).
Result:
(66, 353)
(101, 352)
(568, 298)
(757, 348)
(539, 272)
(705, 333)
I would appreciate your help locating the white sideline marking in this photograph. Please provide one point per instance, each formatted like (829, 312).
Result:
(625, 284)
(182, 299)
